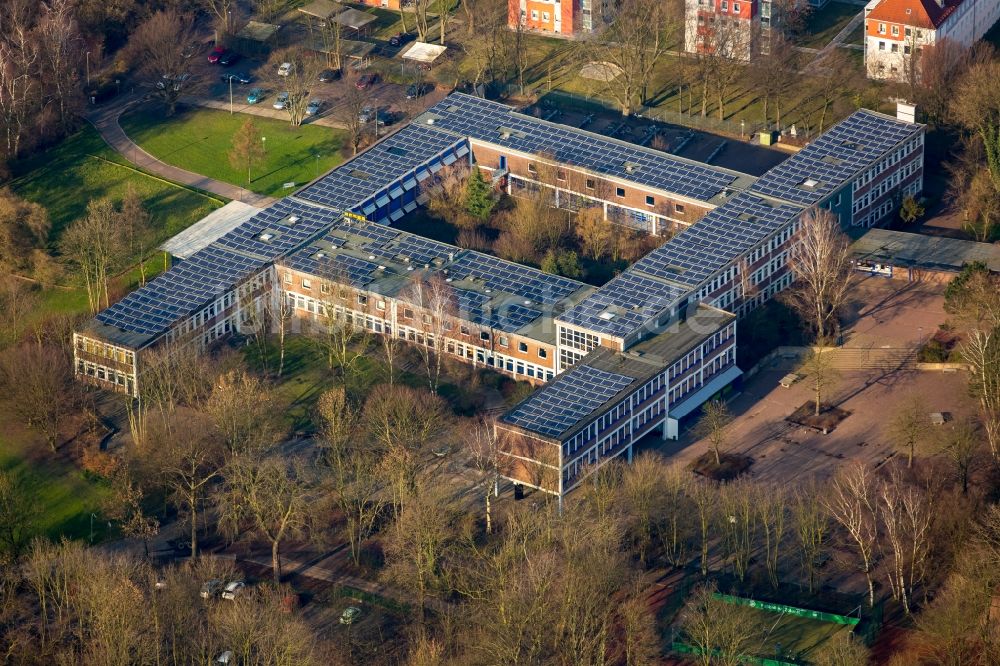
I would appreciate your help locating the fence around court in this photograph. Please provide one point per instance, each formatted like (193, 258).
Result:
(805, 613)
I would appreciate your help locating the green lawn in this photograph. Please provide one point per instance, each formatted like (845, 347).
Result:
(83, 167)
(199, 140)
(64, 495)
(824, 24)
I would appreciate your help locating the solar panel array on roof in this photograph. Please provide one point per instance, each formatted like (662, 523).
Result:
(571, 397)
(179, 292)
(505, 276)
(834, 157)
(509, 317)
(622, 305)
(415, 250)
(633, 298)
(381, 165)
(501, 125)
(207, 274)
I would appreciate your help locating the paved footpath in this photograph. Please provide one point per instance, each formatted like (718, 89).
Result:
(105, 121)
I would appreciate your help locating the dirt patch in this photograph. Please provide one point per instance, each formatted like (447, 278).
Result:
(730, 466)
(826, 421)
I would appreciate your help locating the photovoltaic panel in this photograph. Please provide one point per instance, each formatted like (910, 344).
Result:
(835, 157)
(509, 317)
(501, 125)
(506, 276)
(570, 398)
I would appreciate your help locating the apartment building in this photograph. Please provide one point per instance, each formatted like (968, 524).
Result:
(564, 18)
(731, 28)
(896, 31)
(614, 363)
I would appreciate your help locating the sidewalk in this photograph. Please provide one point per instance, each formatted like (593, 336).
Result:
(105, 121)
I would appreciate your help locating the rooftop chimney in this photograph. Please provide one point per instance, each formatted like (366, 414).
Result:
(907, 112)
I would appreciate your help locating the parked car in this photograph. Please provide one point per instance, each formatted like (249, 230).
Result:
(366, 115)
(285, 68)
(233, 590)
(211, 589)
(400, 38)
(237, 77)
(366, 81)
(228, 58)
(216, 54)
(255, 95)
(350, 614)
(174, 81)
(417, 90)
(314, 106)
(328, 75)
(281, 101)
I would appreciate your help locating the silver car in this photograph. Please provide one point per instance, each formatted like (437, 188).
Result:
(314, 106)
(282, 101)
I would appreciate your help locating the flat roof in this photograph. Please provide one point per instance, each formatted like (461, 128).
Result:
(209, 229)
(355, 19)
(484, 290)
(602, 379)
(901, 248)
(322, 9)
(423, 52)
(257, 31)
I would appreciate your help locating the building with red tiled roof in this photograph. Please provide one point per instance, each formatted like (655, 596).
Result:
(897, 30)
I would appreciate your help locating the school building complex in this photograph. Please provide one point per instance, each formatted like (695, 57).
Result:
(612, 363)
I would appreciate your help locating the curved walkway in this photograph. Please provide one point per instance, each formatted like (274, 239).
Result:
(105, 121)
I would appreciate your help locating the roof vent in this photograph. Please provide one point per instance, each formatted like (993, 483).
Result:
(292, 219)
(371, 257)
(810, 183)
(430, 121)
(409, 268)
(266, 236)
(380, 267)
(607, 316)
(449, 279)
(527, 302)
(630, 167)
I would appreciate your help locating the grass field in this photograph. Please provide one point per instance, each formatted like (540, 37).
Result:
(793, 638)
(824, 24)
(65, 498)
(199, 140)
(65, 178)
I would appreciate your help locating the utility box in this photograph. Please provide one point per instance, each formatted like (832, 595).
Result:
(768, 138)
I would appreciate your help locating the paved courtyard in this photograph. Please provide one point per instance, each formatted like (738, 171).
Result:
(888, 314)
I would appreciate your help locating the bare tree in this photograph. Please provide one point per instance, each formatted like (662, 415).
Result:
(906, 515)
(714, 421)
(226, 17)
(771, 507)
(60, 48)
(818, 366)
(95, 244)
(961, 445)
(852, 502)
(632, 46)
(981, 350)
(240, 409)
(976, 106)
(417, 549)
(350, 113)
(812, 525)
(676, 524)
(157, 49)
(189, 457)
(302, 76)
(489, 462)
(19, 85)
(271, 496)
(126, 506)
(737, 522)
(704, 495)
(909, 425)
(18, 514)
(354, 469)
(724, 633)
(434, 302)
(39, 386)
(842, 649)
(403, 422)
(820, 261)
(134, 220)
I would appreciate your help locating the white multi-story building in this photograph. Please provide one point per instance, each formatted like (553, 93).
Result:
(897, 30)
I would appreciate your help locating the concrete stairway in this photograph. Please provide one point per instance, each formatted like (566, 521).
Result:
(877, 358)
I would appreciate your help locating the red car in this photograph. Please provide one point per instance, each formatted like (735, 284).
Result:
(366, 81)
(216, 53)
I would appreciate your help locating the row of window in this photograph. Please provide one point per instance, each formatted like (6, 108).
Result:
(569, 337)
(104, 374)
(899, 176)
(894, 30)
(890, 160)
(103, 349)
(591, 184)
